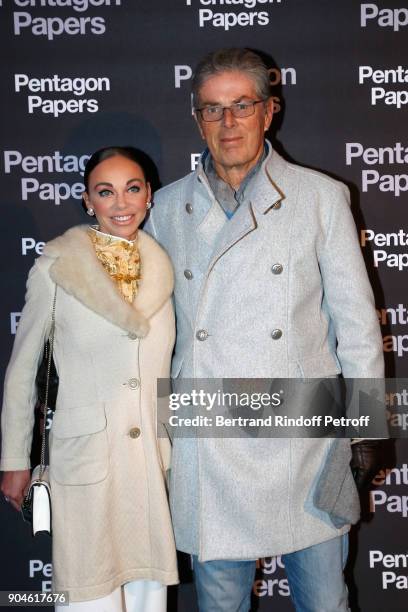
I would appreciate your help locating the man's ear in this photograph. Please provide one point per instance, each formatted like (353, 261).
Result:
(268, 113)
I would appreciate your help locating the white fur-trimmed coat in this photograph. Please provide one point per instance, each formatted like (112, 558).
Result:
(111, 522)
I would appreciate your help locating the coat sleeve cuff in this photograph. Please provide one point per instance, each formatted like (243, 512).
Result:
(14, 463)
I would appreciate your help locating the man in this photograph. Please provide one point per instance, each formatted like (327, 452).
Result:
(270, 282)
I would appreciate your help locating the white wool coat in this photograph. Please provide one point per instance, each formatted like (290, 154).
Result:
(111, 522)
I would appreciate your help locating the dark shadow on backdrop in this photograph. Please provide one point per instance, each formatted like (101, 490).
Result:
(388, 461)
(183, 595)
(118, 129)
(277, 95)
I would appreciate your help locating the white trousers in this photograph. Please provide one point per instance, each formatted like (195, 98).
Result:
(135, 596)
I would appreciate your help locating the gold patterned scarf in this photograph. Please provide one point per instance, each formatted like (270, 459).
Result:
(121, 260)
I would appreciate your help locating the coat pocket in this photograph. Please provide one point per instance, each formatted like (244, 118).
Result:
(163, 443)
(176, 365)
(336, 492)
(79, 450)
(321, 365)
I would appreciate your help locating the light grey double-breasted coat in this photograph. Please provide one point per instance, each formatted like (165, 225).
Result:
(280, 290)
(110, 517)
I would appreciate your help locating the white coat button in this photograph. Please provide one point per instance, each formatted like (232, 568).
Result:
(202, 335)
(189, 208)
(276, 334)
(188, 274)
(134, 432)
(132, 336)
(133, 383)
(277, 268)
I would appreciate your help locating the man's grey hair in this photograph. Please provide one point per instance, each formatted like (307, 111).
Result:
(227, 60)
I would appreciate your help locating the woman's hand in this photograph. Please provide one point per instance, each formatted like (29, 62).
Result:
(14, 486)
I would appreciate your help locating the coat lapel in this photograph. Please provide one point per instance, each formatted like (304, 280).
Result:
(215, 229)
(79, 272)
(242, 223)
(266, 193)
(213, 219)
(263, 195)
(212, 224)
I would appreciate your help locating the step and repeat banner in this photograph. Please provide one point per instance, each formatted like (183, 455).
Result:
(77, 75)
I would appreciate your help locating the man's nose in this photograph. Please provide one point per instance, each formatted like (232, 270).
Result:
(228, 119)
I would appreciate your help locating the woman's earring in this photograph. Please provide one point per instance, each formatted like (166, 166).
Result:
(90, 212)
(148, 205)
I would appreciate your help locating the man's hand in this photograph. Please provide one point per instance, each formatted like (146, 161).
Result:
(365, 461)
(14, 486)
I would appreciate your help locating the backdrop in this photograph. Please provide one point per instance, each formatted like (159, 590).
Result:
(80, 74)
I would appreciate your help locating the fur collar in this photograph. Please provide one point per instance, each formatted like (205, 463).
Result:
(78, 271)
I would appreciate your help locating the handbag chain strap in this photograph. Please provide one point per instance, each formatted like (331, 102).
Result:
(47, 384)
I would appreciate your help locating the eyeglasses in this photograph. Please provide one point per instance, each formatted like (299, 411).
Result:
(238, 109)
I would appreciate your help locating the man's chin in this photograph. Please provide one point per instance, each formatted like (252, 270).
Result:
(233, 158)
(237, 164)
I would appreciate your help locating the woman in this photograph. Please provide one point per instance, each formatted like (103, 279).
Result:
(114, 334)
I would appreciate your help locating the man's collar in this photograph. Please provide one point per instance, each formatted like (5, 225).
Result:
(268, 186)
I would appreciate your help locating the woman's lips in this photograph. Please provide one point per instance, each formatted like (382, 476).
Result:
(122, 219)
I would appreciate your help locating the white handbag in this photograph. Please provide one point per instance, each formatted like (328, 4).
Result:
(36, 507)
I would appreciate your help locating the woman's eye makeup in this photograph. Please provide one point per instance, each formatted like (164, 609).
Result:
(104, 192)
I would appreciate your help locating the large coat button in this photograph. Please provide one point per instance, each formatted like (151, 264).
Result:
(276, 334)
(202, 335)
(132, 336)
(277, 205)
(134, 432)
(188, 274)
(134, 383)
(189, 208)
(277, 268)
